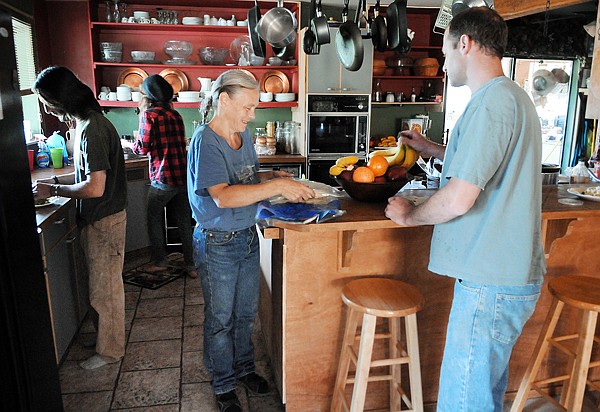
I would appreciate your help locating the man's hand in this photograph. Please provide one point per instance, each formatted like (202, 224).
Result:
(41, 190)
(398, 209)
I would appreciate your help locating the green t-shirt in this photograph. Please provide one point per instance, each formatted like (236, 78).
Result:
(497, 146)
(98, 148)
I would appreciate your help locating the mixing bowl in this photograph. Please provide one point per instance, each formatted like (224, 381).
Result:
(213, 55)
(178, 49)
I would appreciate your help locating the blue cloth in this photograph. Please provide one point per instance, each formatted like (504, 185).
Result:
(229, 266)
(497, 146)
(484, 324)
(298, 212)
(211, 161)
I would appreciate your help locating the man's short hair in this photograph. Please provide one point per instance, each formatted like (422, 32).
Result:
(484, 26)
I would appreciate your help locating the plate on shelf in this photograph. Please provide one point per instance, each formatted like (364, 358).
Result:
(285, 97)
(249, 73)
(132, 77)
(144, 61)
(46, 202)
(176, 78)
(587, 193)
(274, 81)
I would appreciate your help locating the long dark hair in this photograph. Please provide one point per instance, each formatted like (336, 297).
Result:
(64, 91)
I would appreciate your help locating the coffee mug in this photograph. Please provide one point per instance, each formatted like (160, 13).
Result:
(103, 96)
(144, 20)
(112, 96)
(131, 19)
(105, 89)
(154, 20)
(136, 96)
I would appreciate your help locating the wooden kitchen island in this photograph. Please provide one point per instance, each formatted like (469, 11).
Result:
(302, 312)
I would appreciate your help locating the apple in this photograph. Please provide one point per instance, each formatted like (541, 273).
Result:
(396, 173)
(346, 175)
(380, 179)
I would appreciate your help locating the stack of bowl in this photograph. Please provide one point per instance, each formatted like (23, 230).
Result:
(111, 51)
(123, 93)
(188, 96)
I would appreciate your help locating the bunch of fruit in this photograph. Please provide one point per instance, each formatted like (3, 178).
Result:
(377, 170)
(402, 155)
(389, 141)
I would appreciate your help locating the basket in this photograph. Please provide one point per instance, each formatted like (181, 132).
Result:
(427, 66)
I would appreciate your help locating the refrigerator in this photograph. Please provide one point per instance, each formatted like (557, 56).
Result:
(28, 369)
(552, 86)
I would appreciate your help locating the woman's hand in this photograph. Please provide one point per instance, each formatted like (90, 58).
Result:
(281, 173)
(295, 191)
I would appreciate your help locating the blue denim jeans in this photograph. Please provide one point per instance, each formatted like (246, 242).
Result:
(158, 198)
(229, 267)
(485, 322)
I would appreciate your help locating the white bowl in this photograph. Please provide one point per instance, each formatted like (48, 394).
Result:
(188, 94)
(141, 14)
(111, 46)
(266, 97)
(285, 97)
(191, 20)
(188, 99)
(142, 55)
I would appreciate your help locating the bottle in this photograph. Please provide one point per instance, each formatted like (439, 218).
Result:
(413, 95)
(580, 173)
(43, 156)
(378, 94)
(57, 141)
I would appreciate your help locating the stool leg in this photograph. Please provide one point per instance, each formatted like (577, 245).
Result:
(395, 370)
(582, 361)
(367, 338)
(538, 355)
(414, 364)
(344, 365)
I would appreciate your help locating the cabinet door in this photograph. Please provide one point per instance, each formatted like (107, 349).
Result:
(63, 295)
(137, 205)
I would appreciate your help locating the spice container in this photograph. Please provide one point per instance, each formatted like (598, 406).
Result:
(580, 173)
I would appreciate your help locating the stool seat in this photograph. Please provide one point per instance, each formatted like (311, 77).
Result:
(383, 297)
(582, 292)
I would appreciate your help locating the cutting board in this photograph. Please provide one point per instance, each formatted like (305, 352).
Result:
(592, 110)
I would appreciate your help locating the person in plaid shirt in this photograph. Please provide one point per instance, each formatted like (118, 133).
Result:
(162, 137)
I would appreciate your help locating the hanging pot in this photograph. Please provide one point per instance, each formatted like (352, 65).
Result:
(278, 26)
(287, 52)
(397, 27)
(379, 30)
(258, 44)
(309, 42)
(319, 26)
(349, 42)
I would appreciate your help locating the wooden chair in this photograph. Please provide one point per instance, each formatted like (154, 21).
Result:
(579, 292)
(386, 298)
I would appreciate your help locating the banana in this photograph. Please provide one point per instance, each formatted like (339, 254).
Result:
(336, 170)
(346, 161)
(410, 157)
(398, 158)
(387, 152)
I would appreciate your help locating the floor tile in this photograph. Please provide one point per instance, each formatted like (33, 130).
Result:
(193, 315)
(172, 407)
(74, 379)
(193, 296)
(89, 401)
(193, 338)
(155, 329)
(173, 289)
(152, 355)
(199, 397)
(193, 369)
(131, 299)
(147, 388)
(162, 307)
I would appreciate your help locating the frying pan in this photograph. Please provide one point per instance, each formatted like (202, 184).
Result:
(319, 26)
(309, 43)
(278, 26)
(379, 30)
(258, 44)
(286, 52)
(349, 42)
(397, 27)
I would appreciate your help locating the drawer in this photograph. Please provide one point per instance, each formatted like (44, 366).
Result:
(55, 228)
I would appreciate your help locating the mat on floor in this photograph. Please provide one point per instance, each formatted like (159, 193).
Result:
(153, 281)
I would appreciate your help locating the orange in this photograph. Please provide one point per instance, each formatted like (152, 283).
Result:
(379, 165)
(363, 174)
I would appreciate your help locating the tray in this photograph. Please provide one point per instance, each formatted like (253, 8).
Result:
(132, 77)
(274, 81)
(176, 78)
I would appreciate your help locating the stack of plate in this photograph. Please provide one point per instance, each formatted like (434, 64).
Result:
(191, 20)
(188, 96)
(285, 97)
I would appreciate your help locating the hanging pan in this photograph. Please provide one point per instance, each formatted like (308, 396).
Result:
(379, 30)
(319, 26)
(309, 42)
(349, 42)
(278, 26)
(258, 44)
(397, 27)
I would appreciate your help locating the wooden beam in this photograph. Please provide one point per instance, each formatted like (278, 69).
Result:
(511, 9)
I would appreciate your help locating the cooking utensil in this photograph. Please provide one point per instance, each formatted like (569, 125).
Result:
(309, 41)
(278, 26)
(286, 52)
(319, 26)
(397, 27)
(348, 40)
(379, 30)
(258, 44)
(363, 21)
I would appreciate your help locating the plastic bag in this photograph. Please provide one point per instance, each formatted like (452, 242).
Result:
(324, 193)
(301, 213)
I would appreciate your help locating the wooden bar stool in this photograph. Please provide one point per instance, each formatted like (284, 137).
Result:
(373, 298)
(583, 293)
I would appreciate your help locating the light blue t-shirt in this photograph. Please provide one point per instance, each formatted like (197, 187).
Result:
(211, 161)
(497, 146)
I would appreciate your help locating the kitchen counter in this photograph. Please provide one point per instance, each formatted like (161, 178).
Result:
(302, 313)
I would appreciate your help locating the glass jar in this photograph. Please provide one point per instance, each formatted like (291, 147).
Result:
(259, 131)
(580, 173)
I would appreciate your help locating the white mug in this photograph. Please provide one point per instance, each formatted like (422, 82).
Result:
(143, 20)
(112, 96)
(131, 19)
(205, 83)
(105, 89)
(154, 20)
(136, 96)
(389, 98)
(124, 20)
(103, 96)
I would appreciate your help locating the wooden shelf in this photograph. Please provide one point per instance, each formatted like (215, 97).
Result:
(192, 105)
(404, 103)
(160, 28)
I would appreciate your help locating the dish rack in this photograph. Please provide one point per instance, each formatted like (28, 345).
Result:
(444, 16)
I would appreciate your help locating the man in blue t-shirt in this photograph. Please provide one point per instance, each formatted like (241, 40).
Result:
(487, 215)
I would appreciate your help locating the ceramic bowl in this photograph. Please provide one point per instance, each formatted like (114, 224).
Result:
(142, 55)
(370, 192)
(213, 55)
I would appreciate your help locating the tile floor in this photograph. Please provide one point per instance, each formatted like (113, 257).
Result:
(162, 370)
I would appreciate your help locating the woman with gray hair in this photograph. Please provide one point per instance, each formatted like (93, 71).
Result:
(224, 186)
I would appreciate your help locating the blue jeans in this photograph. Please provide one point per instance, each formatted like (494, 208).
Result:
(229, 267)
(485, 322)
(158, 198)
